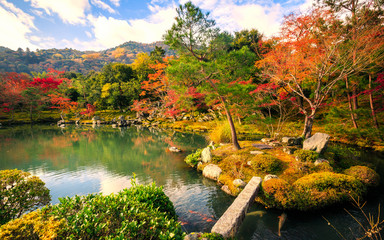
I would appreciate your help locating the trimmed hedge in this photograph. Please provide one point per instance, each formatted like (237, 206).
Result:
(141, 212)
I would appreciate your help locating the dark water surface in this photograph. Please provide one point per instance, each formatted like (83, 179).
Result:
(85, 160)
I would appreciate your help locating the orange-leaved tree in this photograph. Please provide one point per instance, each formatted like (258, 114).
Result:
(309, 58)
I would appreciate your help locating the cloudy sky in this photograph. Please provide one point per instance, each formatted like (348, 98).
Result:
(102, 24)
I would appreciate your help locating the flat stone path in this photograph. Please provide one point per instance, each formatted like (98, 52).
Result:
(231, 220)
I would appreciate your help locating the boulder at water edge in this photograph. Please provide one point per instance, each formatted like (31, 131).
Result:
(212, 171)
(318, 142)
(206, 155)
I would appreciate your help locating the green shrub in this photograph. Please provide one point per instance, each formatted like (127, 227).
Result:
(266, 163)
(323, 189)
(142, 212)
(20, 192)
(276, 193)
(221, 133)
(194, 158)
(211, 236)
(366, 175)
(306, 155)
(33, 225)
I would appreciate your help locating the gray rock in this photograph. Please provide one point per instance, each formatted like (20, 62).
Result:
(262, 146)
(212, 171)
(206, 155)
(289, 150)
(225, 189)
(266, 140)
(239, 183)
(270, 176)
(114, 125)
(318, 142)
(289, 141)
(174, 149)
(212, 145)
(320, 161)
(95, 118)
(256, 152)
(274, 144)
(249, 163)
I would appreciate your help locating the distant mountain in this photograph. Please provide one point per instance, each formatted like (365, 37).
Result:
(72, 60)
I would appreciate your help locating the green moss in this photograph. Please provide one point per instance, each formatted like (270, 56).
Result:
(266, 164)
(306, 155)
(319, 190)
(194, 158)
(366, 175)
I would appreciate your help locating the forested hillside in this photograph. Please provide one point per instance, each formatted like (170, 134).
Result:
(70, 59)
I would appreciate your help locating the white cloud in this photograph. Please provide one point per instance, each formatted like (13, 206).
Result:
(70, 11)
(103, 5)
(231, 15)
(115, 2)
(110, 32)
(16, 27)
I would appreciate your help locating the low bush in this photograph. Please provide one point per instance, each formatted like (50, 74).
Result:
(366, 175)
(194, 158)
(221, 133)
(319, 190)
(266, 164)
(20, 192)
(33, 225)
(141, 212)
(306, 155)
(276, 193)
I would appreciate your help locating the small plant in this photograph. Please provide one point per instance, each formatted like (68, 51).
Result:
(266, 164)
(221, 133)
(19, 193)
(194, 158)
(371, 226)
(306, 155)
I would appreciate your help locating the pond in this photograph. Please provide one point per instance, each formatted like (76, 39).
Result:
(82, 160)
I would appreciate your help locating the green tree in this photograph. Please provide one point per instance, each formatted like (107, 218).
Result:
(20, 192)
(206, 60)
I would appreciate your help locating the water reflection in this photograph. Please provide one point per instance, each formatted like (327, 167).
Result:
(82, 160)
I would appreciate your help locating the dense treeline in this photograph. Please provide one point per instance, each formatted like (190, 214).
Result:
(70, 59)
(325, 65)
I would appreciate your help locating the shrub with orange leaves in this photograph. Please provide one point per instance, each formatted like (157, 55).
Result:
(276, 193)
(366, 175)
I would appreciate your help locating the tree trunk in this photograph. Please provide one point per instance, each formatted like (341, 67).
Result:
(308, 124)
(30, 113)
(235, 142)
(371, 103)
(350, 105)
(354, 98)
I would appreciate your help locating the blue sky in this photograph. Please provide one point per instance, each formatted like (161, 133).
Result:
(102, 24)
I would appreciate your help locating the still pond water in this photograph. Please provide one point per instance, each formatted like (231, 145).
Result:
(83, 160)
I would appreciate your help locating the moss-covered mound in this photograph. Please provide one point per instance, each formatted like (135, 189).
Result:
(302, 184)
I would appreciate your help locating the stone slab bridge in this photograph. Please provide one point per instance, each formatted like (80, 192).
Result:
(231, 220)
